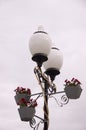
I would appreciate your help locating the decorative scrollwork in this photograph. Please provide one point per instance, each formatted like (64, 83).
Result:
(33, 123)
(64, 99)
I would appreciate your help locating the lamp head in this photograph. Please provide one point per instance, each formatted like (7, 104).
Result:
(39, 46)
(53, 64)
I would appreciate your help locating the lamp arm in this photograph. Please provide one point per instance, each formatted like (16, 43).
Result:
(41, 93)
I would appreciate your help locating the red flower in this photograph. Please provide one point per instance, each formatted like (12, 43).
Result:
(35, 104)
(32, 103)
(22, 90)
(73, 82)
(28, 91)
(22, 102)
(16, 90)
(76, 80)
(72, 79)
(66, 80)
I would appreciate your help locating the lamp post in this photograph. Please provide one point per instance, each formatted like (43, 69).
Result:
(40, 48)
(51, 58)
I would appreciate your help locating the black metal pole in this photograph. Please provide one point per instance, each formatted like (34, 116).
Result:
(46, 111)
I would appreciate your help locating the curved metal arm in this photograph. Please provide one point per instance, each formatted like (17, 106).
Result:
(64, 100)
(33, 122)
(41, 93)
(40, 118)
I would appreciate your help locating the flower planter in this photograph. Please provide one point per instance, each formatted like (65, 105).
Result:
(19, 96)
(73, 92)
(26, 113)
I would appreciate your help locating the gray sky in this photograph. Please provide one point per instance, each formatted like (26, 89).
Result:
(65, 21)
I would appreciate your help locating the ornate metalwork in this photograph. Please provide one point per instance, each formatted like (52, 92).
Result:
(64, 99)
(42, 78)
(48, 90)
(33, 123)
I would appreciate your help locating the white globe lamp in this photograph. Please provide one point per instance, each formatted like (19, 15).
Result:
(40, 46)
(54, 63)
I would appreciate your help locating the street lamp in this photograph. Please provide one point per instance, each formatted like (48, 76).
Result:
(54, 63)
(40, 45)
(51, 58)
(40, 48)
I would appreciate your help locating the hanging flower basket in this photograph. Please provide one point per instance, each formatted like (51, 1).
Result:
(73, 89)
(19, 96)
(27, 109)
(22, 93)
(26, 113)
(73, 92)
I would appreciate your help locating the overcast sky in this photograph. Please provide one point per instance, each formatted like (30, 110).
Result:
(65, 22)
